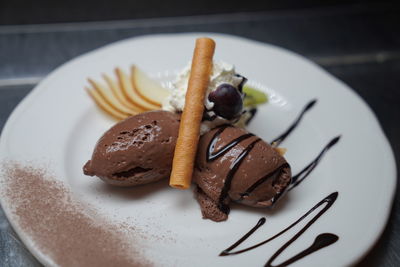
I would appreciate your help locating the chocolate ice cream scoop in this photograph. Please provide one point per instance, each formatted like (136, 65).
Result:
(235, 165)
(135, 151)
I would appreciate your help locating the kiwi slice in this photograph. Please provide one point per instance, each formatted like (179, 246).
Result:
(253, 97)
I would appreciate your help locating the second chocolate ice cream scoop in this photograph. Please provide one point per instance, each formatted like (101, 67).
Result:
(235, 165)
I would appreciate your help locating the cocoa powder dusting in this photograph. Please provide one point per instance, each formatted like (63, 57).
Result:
(61, 227)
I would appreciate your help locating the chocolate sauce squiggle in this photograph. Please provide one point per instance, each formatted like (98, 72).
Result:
(212, 155)
(264, 178)
(298, 178)
(253, 112)
(283, 136)
(229, 177)
(211, 146)
(321, 241)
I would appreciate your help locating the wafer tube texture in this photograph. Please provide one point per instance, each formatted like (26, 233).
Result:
(189, 129)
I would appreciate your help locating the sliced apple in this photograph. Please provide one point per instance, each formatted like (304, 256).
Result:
(147, 88)
(110, 98)
(119, 94)
(131, 94)
(104, 105)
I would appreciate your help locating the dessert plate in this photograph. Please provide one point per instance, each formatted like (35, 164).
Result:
(57, 124)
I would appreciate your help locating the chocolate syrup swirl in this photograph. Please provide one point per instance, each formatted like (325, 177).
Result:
(321, 241)
(298, 178)
(260, 181)
(252, 112)
(229, 177)
(293, 126)
(212, 155)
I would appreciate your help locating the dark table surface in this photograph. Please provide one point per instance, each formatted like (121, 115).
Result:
(359, 44)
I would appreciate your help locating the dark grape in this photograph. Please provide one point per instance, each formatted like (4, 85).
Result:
(228, 101)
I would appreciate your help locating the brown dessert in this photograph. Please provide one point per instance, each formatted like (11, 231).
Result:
(235, 165)
(135, 151)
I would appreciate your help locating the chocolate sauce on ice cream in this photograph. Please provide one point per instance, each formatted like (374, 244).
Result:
(323, 239)
(234, 165)
(231, 165)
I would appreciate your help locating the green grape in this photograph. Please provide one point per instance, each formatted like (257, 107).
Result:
(253, 97)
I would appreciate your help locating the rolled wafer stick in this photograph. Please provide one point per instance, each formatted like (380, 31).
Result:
(189, 128)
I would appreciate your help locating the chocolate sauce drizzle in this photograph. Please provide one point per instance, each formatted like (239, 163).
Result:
(285, 134)
(298, 178)
(252, 112)
(259, 182)
(212, 155)
(321, 241)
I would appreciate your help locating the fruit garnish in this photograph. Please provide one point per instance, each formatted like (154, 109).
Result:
(125, 82)
(130, 94)
(105, 106)
(119, 94)
(228, 101)
(127, 95)
(148, 88)
(111, 99)
(253, 97)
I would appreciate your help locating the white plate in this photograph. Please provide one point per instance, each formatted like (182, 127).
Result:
(64, 125)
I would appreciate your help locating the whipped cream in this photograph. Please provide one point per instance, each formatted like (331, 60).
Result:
(221, 73)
